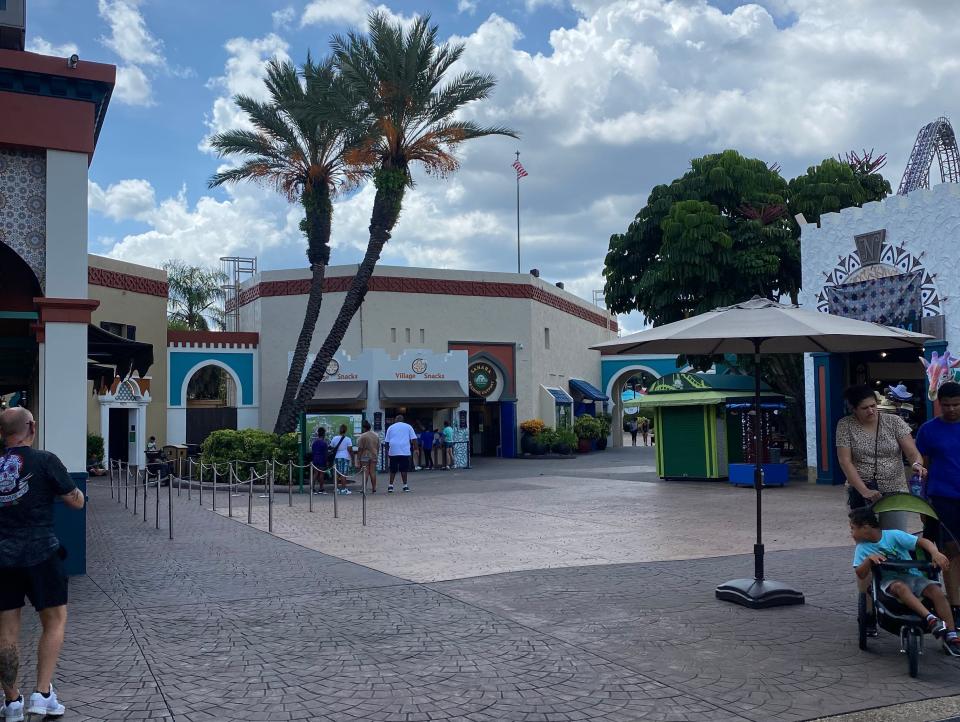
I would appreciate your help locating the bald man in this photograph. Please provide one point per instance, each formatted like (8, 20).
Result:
(30, 562)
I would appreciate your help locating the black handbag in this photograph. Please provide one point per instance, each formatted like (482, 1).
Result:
(856, 500)
(332, 453)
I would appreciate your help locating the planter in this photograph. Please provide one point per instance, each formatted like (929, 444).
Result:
(526, 443)
(537, 449)
(602, 443)
(562, 449)
(584, 446)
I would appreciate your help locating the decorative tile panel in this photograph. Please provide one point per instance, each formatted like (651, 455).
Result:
(23, 207)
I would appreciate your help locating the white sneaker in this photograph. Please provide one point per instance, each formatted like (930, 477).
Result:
(48, 706)
(12, 711)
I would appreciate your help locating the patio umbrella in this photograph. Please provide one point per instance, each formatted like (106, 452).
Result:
(761, 326)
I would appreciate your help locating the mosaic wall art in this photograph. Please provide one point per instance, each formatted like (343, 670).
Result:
(23, 207)
(893, 261)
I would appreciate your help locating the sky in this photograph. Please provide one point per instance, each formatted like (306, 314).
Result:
(610, 97)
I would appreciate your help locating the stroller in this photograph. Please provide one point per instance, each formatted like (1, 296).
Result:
(891, 615)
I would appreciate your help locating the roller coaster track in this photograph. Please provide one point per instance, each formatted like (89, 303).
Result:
(936, 137)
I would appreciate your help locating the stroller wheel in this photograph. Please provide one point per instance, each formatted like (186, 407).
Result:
(914, 640)
(863, 620)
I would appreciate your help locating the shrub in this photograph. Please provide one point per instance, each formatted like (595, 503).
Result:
(532, 426)
(251, 445)
(546, 438)
(565, 442)
(95, 447)
(587, 427)
(606, 420)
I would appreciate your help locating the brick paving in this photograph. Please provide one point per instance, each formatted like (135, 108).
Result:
(227, 622)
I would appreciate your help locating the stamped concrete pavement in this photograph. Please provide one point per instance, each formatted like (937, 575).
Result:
(227, 622)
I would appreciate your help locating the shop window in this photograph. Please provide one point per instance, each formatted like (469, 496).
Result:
(408, 335)
(546, 338)
(423, 336)
(393, 335)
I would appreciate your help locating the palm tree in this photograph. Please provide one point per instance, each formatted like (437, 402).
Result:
(297, 147)
(194, 296)
(409, 111)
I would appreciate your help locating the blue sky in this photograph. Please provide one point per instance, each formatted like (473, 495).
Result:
(611, 97)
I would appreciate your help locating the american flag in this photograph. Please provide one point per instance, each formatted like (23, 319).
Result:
(521, 173)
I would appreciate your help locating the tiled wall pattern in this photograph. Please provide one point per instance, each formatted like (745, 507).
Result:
(23, 206)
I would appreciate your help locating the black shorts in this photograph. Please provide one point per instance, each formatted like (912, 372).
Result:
(947, 530)
(44, 584)
(399, 463)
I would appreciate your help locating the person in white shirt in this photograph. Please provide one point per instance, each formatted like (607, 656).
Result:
(343, 445)
(401, 443)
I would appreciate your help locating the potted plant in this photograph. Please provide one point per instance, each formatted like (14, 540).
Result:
(565, 442)
(529, 430)
(587, 430)
(606, 420)
(545, 440)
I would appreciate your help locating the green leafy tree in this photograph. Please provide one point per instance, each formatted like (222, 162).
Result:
(297, 146)
(195, 296)
(715, 236)
(408, 106)
(834, 185)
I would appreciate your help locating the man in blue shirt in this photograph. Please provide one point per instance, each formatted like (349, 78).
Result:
(939, 442)
(318, 456)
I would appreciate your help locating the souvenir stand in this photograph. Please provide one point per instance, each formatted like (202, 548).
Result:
(698, 436)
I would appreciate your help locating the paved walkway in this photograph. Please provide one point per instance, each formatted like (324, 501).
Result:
(227, 622)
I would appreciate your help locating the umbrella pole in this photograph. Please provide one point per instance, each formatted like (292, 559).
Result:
(758, 593)
(758, 465)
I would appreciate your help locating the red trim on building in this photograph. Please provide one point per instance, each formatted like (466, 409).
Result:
(437, 286)
(52, 65)
(214, 339)
(35, 121)
(61, 310)
(126, 282)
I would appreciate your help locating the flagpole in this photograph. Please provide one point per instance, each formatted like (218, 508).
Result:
(518, 215)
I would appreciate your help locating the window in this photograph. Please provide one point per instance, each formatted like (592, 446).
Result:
(393, 335)
(546, 338)
(423, 336)
(120, 329)
(408, 335)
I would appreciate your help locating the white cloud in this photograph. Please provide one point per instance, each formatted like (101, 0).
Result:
(243, 75)
(283, 18)
(39, 45)
(349, 12)
(467, 6)
(132, 199)
(136, 47)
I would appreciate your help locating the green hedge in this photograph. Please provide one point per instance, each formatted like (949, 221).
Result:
(250, 445)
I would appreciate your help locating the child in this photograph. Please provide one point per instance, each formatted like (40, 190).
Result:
(875, 545)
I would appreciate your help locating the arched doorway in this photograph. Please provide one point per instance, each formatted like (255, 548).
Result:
(18, 345)
(211, 399)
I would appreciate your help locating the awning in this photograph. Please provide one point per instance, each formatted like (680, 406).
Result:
(587, 390)
(559, 395)
(422, 393)
(124, 355)
(335, 395)
(703, 398)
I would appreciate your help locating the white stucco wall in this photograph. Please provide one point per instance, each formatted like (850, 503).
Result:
(924, 222)
(66, 225)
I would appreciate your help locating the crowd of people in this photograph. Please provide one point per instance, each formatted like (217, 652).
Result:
(871, 448)
(406, 449)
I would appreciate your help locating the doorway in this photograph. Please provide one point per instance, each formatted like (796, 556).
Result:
(119, 441)
(484, 428)
(898, 367)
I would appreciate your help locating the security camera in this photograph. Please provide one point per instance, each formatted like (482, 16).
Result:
(73, 60)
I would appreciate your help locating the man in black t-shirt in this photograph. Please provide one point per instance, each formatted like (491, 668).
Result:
(30, 560)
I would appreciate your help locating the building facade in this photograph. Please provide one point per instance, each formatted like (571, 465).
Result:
(891, 262)
(520, 336)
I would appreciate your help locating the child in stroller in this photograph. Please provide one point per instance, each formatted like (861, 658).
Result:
(882, 553)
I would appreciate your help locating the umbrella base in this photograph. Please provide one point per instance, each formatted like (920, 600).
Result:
(758, 593)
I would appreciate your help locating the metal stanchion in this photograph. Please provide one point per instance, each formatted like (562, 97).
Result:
(158, 498)
(145, 479)
(230, 492)
(336, 491)
(126, 488)
(290, 484)
(270, 500)
(179, 482)
(311, 486)
(169, 507)
(111, 479)
(214, 485)
(136, 489)
(250, 498)
(363, 492)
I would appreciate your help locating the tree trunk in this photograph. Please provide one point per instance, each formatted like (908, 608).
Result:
(386, 211)
(317, 223)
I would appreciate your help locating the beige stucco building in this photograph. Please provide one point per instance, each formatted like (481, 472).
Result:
(524, 339)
